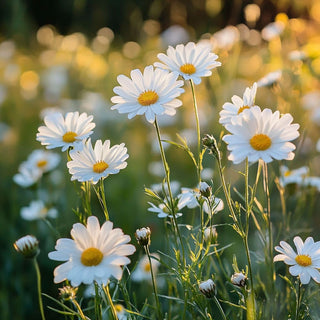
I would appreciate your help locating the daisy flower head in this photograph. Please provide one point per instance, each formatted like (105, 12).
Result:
(231, 110)
(296, 176)
(270, 78)
(95, 163)
(162, 210)
(303, 263)
(38, 210)
(94, 254)
(43, 160)
(65, 132)
(151, 93)
(143, 270)
(262, 135)
(27, 176)
(191, 61)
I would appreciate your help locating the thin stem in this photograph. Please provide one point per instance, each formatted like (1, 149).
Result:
(298, 301)
(113, 309)
(153, 283)
(219, 307)
(270, 238)
(226, 193)
(103, 197)
(246, 234)
(195, 106)
(167, 173)
(39, 287)
(76, 304)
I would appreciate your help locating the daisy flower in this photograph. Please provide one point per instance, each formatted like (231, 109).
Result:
(65, 132)
(189, 198)
(93, 164)
(37, 210)
(162, 211)
(94, 253)
(27, 176)
(231, 110)
(43, 160)
(305, 263)
(270, 78)
(151, 93)
(143, 269)
(262, 135)
(293, 176)
(191, 61)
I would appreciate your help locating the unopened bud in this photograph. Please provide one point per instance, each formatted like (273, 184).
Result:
(143, 236)
(239, 279)
(210, 142)
(68, 293)
(208, 288)
(28, 246)
(210, 234)
(205, 190)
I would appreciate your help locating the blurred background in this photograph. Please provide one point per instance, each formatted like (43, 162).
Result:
(66, 56)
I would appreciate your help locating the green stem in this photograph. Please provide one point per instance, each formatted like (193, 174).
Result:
(39, 287)
(103, 197)
(195, 106)
(298, 301)
(270, 244)
(76, 304)
(246, 235)
(113, 309)
(220, 308)
(167, 174)
(154, 283)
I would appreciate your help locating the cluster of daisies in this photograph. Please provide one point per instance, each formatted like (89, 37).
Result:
(96, 253)
(257, 134)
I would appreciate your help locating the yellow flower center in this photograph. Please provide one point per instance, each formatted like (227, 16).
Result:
(260, 142)
(69, 137)
(42, 163)
(148, 97)
(287, 173)
(100, 166)
(188, 68)
(303, 260)
(147, 267)
(243, 108)
(118, 307)
(91, 257)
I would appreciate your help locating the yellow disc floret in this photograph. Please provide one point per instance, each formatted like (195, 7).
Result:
(303, 260)
(188, 68)
(42, 163)
(148, 97)
(147, 267)
(69, 137)
(243, 108)
(91, 257)
(260, 142)
(100, 166)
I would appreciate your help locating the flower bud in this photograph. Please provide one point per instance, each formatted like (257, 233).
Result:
(210, 142)
(205, 189)
(208, 288)
(239, 279)
(68, 293)
(210, 234)
(28, 246)
(143, 236)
